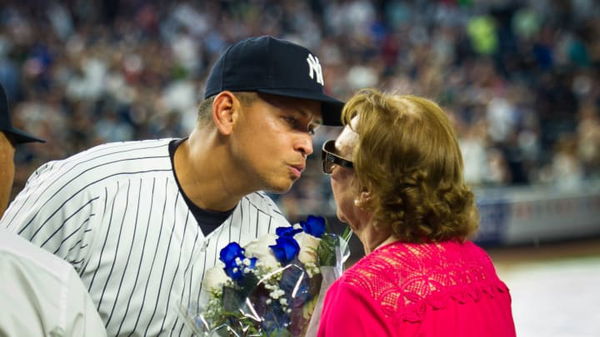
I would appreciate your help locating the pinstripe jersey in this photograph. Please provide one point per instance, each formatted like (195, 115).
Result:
(116, 213)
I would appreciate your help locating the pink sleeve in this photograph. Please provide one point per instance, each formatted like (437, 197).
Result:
(348, 312)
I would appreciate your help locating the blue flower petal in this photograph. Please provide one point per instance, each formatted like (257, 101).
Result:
(230, 252)
(285, 249)
(253, 262)
(314, 225)
(234, 272)
(287, 231)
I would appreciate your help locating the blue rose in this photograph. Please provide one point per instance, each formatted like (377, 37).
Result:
(285, 249)
(314, 225)
(229, 255)
(234, 271)
(230, 252)
(287, 231)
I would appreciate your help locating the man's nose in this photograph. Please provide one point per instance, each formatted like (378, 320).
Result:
(304, 145)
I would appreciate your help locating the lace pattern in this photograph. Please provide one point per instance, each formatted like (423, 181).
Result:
(407, 279)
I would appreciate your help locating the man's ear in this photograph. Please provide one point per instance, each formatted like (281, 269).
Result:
(225, 111)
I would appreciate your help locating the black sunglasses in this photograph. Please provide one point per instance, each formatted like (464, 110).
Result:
(329, 158)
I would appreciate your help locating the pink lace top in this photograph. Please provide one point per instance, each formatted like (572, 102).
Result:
(444, 289)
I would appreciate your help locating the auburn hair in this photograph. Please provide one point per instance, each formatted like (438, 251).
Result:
(408, 158)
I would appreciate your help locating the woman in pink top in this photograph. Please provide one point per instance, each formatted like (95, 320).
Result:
(397, 177)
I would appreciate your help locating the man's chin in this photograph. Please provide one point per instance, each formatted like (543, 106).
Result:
(280, 188)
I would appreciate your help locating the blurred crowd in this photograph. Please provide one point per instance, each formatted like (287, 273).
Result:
(520, 79)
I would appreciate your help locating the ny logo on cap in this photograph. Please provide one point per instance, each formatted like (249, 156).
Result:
(315, 69)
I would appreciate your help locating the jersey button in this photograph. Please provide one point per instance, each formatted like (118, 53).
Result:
(204, 246)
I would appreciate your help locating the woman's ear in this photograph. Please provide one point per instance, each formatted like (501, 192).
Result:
(225, 110)
(363, 199)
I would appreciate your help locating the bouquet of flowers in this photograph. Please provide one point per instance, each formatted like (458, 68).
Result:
(273, 286)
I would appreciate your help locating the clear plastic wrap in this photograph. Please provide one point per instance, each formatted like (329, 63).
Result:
(273, 286)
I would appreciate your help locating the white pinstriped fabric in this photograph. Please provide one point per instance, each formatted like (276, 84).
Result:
(116, 214)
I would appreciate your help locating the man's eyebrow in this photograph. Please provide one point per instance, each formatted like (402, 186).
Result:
(315, 120)
(304, 112)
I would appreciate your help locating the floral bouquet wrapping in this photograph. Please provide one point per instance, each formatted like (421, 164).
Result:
(273, 286)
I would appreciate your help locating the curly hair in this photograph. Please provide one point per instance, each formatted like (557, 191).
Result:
(409, 159)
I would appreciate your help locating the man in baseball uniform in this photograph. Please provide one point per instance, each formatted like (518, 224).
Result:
(40, 294)
(142, 221)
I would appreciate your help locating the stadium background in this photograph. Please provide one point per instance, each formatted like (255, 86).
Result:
(520, 80)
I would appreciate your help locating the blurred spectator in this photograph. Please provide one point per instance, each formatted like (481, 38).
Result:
(588, 140)
(518, 76)
(565, 169)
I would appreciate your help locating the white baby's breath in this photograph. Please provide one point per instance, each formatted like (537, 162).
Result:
(276, 294)
(312, 269)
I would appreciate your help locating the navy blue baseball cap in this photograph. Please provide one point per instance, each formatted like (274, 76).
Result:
(18, 136)
(273, 66)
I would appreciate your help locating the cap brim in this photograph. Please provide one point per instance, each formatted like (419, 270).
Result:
(21, 137)
(331, 109)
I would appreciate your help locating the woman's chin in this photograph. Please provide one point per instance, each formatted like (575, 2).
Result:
(344, 219)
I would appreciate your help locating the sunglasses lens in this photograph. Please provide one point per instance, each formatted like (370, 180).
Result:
(330, 159)
(327, 157)
(327, 165)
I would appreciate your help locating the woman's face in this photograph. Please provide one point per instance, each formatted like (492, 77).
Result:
(343, 179)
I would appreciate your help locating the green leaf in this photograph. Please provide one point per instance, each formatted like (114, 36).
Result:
(326, 249)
